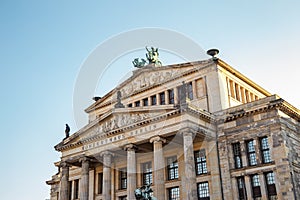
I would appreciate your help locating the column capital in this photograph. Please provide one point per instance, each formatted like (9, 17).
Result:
(106, 153)
(157, 139)
(64, 164)
(187, 132)
(84, 159)
(130, 147)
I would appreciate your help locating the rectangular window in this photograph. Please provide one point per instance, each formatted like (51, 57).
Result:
(203, 191)
(123, 178)
(130, 105)
(200, 162)
(145, 102)
(76, 189)
(190, 90)
(265, 150)
(123, 198)
(147, 173)
(255, 186)
(70, 189)
(237, 155)
(162, 98)
(251, 153)
(100, 182)
(153, 100)
(172, 168)
(270, 181)
(241, 188)
(137, 104)
(174, 193)
(171, 96)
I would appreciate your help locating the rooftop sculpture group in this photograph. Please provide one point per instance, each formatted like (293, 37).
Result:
(152, 57)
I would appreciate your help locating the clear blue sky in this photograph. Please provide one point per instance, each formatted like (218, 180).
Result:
(44, 43)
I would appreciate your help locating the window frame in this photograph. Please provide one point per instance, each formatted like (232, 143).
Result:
(174, 196)
(241, 188)
(237, 155)
(123, 178)
(265, 150)
(172, 168)
(251, 153)
(255, 185)
(147, 177)
(153, 100)
(171, 96)
(203, 194)
(200, 162)
(100, 182)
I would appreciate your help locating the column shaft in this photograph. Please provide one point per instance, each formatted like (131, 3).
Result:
(84, 181)
(189, 183)
(248, 187)
(64, 187)
(159, 164)
(131, 171)
(107, 157)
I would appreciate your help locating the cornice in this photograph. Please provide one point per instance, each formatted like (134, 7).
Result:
(236, 73)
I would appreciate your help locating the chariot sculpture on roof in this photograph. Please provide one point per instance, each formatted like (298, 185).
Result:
(152, 57)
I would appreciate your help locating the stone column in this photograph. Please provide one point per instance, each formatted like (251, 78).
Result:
(159, 165)
(176, 95)
(131, 170)
(64, 182)
(107, 160)
(189, 181)
(263, 187)
(248, 187)
(195, 95)
(167, 97)
(84, 180)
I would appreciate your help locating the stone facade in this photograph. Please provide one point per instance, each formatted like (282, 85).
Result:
(198, 130)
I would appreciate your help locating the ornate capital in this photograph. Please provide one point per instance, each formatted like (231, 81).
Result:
(84, 159)
(157, 139)
(106, 153)
(130, 147)
(187, 132)
(64, 164)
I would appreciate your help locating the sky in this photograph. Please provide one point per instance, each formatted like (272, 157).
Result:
(44, 44)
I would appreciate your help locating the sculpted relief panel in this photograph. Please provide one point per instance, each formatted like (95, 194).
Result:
(148, 79)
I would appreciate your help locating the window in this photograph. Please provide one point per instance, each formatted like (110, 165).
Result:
(147, 173)
(70, 189)
(241, 188)
(203, 191)
(100, 182)
(200, 161)
(123, 198)
(251, 153)
(255, 187)
(265, 150)
(145, 102)
(153, 100)
(190, 90)
(162, 98)
(237, 155)
(270, 180)
(137, 103)
(130, 105)
(174, 193)
(172, 168)
(171, 96)
(123, 178)
(76, 189)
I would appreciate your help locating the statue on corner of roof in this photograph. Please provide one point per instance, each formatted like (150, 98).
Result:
(67, 131)
(152, 57)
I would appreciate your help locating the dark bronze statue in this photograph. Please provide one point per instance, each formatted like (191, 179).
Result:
(67, 131)
(152, 57)
(144, 193)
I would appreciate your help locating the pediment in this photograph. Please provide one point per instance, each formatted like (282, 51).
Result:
(116, 120)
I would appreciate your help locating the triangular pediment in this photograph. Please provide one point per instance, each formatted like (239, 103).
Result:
(114, 121)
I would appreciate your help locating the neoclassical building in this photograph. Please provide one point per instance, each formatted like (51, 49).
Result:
(196, 130)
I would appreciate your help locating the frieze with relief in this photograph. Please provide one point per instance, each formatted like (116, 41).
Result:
(148, 79)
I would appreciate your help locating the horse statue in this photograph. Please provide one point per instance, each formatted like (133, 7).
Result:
(144, 193)
(139, 64)
(152, 56)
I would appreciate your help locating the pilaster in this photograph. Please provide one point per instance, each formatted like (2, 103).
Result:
(131, 170)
